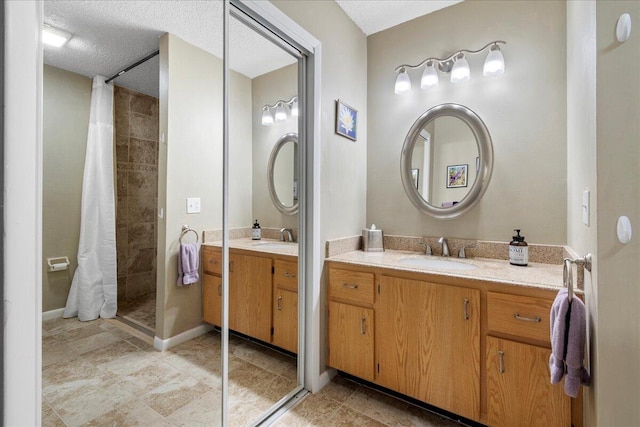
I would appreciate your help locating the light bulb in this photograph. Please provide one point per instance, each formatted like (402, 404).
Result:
(294, 108)
(403, 82)
(460, 71)
(494, 64)
(429, 77)
(267, 118)
(281, 114)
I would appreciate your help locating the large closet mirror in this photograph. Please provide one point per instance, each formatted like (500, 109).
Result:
(160, 359)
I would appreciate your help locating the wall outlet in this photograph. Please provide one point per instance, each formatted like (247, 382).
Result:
(193, 205)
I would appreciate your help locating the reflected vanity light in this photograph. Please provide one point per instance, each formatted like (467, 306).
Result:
(280, 108)
(455, 64)
(54, 37)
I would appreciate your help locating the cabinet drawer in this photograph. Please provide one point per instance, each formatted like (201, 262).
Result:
(351, 286)
(212, 261)
(521, 316)
(285, 275)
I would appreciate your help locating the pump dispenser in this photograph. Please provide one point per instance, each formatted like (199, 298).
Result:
(518, 250)
(256, 231)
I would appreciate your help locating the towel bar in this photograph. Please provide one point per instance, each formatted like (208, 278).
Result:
(567, 273)
(185, 230)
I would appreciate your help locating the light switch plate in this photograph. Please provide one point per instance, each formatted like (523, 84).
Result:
(585, 207)
(193, 205)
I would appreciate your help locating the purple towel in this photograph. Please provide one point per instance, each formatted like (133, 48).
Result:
(188, 264)
(568, 336)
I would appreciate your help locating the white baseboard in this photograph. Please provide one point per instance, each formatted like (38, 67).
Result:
(162, 345)
(52, 314)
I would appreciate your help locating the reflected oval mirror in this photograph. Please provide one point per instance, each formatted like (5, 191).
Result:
(446, 161)
(282, 174)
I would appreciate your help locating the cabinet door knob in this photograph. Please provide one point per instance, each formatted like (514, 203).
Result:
(362, 320)
(220, 290)
(466, 309)
(501, 362)
(527, 319)
(230, 266)
(287, 274)
(348, 286)
(279, 303)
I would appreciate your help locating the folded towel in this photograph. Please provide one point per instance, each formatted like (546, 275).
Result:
(568, 336)
(188, 264)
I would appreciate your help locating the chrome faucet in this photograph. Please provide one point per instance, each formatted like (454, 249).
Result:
(289, 234)
(445, 246)
(427, 248)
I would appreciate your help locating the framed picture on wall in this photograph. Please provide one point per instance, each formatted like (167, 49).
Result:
(457, 176)
(415, 174)
(346, 120)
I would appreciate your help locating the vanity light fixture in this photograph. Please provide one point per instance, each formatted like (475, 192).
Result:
(281, 108)
(456, 64)
(54, 37)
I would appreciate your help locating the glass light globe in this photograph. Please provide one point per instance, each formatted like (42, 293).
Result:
(494, 64)
(403, 82)
(281, 114)
(267, 118)
(429, 77)
(460, 71)
(294, 108)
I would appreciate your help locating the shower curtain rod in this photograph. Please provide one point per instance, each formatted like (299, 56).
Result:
(130, 67)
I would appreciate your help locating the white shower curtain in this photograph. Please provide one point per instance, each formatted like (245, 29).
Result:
(93, 291)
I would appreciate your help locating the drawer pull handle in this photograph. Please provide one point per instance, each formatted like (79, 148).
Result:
(279, 305)
(466, 309)
(362, 320)
(527, 319)
(286, 274)
(220, 290)
(348, 286)
(230, 266)
(501, 362)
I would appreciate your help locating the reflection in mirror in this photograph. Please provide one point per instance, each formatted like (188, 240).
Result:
(263, 285)
(442, 144)
(282, 173)
(446, 161)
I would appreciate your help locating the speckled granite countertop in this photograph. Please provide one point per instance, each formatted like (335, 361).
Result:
(264, 245)
(534, 275)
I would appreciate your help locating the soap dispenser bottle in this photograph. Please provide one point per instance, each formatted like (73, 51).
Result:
(256, 231)
(518, 250)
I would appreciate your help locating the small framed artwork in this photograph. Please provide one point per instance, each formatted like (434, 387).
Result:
(415, 174)
(457, 176)
(346, 120)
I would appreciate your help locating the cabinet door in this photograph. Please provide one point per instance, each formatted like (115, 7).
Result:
(285, 320)
(428, 343)
(519, 392)
(212, 299)
(351, 339)
(250, 295)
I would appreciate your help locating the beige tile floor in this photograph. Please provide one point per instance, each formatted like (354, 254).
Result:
(141, 311)
(103, 374)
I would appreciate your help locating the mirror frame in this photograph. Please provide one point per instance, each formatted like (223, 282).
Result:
(485, 152)
(287, 210)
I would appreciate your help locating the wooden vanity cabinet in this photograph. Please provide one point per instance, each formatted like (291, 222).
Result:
(351, 323)
(212, 299)
(285, 305)
(519, 391)
(428, 343)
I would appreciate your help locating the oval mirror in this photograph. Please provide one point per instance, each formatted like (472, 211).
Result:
(446, 161)
(282, 174)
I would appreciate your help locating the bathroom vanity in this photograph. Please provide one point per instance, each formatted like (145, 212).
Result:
(263, 290)
(474, 342)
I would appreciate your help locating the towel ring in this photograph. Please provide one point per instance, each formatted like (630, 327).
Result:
(185, 230)
(567, 277)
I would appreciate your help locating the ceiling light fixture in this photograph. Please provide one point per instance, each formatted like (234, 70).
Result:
(54, 37)
(456, 64)
(281, 108)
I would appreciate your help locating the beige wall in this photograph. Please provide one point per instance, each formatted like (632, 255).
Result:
(343, 162)
(67, 98)
(524, 110)
(581, 168)
(618, 169)
(267, 89)
(190, 165)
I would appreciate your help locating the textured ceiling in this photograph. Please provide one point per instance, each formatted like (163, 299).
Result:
(377, 15)
(111, 35)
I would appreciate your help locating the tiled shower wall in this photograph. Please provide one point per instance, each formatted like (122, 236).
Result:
(136, 129)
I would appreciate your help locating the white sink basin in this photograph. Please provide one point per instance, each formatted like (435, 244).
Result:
(274, 245)
(436, 264)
